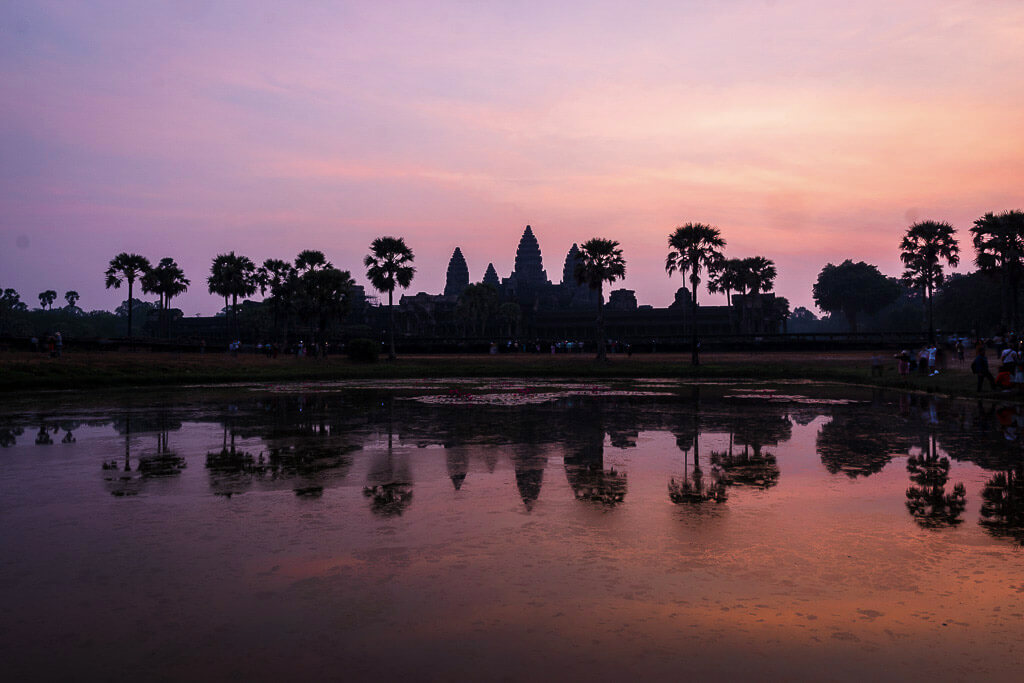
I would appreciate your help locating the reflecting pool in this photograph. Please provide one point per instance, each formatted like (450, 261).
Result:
(505, 530)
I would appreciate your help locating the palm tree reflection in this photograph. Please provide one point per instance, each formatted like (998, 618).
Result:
(1002, 506)
(389, 483)
(927, 500)
(694, 487)
(753, 467)
(589, 479)
(857, 444)
(9, 436)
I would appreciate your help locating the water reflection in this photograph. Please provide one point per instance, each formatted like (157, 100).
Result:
(858, 444)
(388, 533)
(590, 480)
(309, 444)
(1002, 507)
(927, 500)
(753, 466)
(693, 487)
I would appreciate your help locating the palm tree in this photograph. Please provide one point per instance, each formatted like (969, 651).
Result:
(388, 267)
(999, 248)
(510, 314)
(476, 304)
(167, 280)
(760, 274)
(128, 267)
(308, 288)
(729, 278)
(232, 276)
(326, 293)
(693, 247)
(279, 278)
(599, 261)
(311, 259)
(924, 246)
(47, 298)
(72, 297)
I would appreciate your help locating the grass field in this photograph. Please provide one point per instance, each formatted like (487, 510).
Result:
(21, 372)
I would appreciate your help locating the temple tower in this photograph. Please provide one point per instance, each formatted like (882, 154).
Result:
(491, 276)
(458, 274)
(529, 269)
(569, 269)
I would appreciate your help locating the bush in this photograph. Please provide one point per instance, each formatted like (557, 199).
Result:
(363, 350)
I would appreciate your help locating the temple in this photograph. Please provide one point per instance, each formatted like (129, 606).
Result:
(565, 310)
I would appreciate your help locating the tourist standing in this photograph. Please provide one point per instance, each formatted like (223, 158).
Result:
(980, 368)
(903, 363)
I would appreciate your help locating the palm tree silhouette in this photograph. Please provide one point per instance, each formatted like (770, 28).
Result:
(279, 278)
(599, 261)
(729, 278)
(72, 297)
(388, 267)
(128, 267)
(1002, 507)
(232, 276)
(167, 280)
(510, 314)
(693, 247)
(476, 304)
(999, 246)
(924, 246)
(322, 290)
(759, 274)
(47, 298)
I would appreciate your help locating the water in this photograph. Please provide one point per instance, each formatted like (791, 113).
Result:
(501, 530)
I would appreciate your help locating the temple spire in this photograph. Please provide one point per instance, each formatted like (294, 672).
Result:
(458, 274)
(491, 276)
(529, 268)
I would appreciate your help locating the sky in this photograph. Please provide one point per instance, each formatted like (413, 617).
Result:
(807, 132)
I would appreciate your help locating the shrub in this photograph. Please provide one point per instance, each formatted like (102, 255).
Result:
(363, 350)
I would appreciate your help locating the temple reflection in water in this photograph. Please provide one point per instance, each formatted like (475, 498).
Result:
(377, 528)
(723, 441)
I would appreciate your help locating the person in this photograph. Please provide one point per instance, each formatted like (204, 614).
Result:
(903, 362)
(922, 361)
(876, 365)
(960, 352)
(1006, 356)
(60, 344)
(980, 368)
(933, 353)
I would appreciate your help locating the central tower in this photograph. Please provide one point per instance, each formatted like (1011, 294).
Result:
(529, 269)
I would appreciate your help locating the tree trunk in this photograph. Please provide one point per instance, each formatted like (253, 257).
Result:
(695, 355)
(602, 353)
(391, 324)
(131, 337)
(931, 316)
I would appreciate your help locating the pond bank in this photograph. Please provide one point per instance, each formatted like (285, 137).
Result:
(21, 372)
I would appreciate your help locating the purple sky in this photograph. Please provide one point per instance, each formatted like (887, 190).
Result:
(807, 132)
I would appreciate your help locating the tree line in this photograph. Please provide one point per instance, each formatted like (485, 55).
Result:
(312, 292)
(856, 289)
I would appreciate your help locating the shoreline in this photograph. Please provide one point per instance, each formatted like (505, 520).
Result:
(80, 371)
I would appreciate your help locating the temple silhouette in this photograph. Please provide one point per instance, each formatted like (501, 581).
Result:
(528, 308)
(565, 310)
